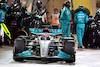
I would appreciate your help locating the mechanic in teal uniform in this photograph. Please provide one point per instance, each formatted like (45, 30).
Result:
(65, 20)
(80, 18)
(61, 23)
(3, 10)
(2, 14)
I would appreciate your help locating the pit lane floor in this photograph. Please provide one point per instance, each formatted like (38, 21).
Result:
(84, 58)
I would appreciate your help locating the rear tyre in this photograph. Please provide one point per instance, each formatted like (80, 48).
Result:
(19, 47)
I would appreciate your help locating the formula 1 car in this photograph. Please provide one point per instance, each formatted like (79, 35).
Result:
(44, 44)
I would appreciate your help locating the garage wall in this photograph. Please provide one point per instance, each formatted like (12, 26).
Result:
(90, 4)
(98, 3)
(85, 3)
(94, 7)
(29, 5)
(97, 0)
(54, 4)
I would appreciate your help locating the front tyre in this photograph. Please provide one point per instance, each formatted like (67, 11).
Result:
(71, 60)
(19, 47)
(69, 49)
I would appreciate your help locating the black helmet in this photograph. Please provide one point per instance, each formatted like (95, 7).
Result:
(98, 22)
(67, 4)
(81, 8)
(45, 30)
(38, 4)
(2, 6)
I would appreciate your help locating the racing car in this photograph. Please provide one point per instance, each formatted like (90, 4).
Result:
(44, 44)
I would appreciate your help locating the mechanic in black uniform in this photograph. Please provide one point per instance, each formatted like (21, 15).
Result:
(97, 15)
(95, 38)
(40, 13)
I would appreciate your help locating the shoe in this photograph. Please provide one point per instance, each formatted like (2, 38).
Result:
(80, 48)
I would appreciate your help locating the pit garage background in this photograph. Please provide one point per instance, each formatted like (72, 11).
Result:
(92, 56)
(92, 5)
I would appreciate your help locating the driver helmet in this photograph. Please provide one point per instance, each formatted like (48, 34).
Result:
(46, 30)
